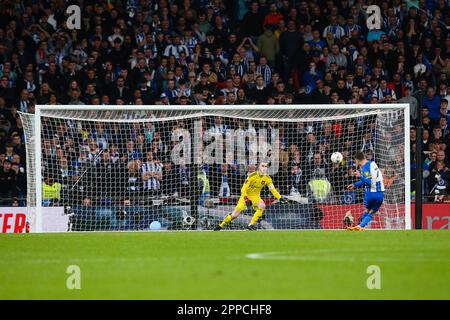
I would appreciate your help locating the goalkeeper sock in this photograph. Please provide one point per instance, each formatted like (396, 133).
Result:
(367, 218)
(258, 214)
(226, 221)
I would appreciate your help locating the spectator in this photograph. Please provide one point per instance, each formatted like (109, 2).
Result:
(131, 153)
(439, 181)
(152, 175)
(413, 104)
(367, 142)
(297, 183)
(7, 92)
(8, 180)
(274, 17)
(295, 157)
(316, 42)
(205, 188)
(336, 57)
(24, 100)
(260, 93)
(311, 77)
(9, 154)
(253, 21)
(268, 46)
(441, 157)
(224, 181)
(290, 44)
(51, 192)
(334, 28)
(432, 103)
(264, 69)
(444, 110)
(175, 48)
(183, 176)
(316, 165)
(170, 182)
(15, 202)
(383, 91)
(443, 122)
(320, 187)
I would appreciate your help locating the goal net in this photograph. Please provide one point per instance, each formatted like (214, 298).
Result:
(151, 167)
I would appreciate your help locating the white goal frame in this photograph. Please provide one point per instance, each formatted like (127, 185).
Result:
(205, 108)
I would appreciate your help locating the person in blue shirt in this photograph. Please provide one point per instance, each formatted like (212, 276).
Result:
(310, 77)
(372, 179)
(432, 102)
(316, 42)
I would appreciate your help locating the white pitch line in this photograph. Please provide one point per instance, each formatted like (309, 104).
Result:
(320, 255)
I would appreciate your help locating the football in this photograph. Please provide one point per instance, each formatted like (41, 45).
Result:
(336, 157)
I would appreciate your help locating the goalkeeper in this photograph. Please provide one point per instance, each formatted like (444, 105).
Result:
(251, 195)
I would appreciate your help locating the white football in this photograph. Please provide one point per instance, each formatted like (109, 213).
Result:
(336, 157)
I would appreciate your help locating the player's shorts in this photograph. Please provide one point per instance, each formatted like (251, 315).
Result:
(373, 200)
(241, 206)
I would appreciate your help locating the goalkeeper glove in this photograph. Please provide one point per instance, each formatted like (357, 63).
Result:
(283, 200)
(248, 202)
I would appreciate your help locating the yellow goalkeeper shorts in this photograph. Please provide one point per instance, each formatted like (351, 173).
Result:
(241, 206)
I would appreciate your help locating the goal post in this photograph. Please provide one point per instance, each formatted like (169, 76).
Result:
(124, 167)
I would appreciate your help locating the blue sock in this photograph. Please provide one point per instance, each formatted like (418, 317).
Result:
(366, 219)
(365, 213)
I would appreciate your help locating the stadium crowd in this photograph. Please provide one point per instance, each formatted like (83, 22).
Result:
(205, 52)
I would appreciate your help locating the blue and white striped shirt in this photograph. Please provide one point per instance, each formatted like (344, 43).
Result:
(152, 183)
(265, 72)
(190, 43)
(348, 29)
(337, 31)
(371, 178)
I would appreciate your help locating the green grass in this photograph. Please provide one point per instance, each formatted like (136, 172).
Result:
(214, 265)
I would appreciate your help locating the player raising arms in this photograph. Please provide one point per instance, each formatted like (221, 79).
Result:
(372, 179)
(251, 195)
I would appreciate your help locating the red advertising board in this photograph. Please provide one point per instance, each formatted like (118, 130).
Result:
(334, 216)
(13, 220)
(434, 215)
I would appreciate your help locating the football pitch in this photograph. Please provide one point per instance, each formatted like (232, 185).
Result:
(227, 265)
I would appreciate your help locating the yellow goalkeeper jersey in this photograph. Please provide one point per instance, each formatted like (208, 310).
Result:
(255, 183)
